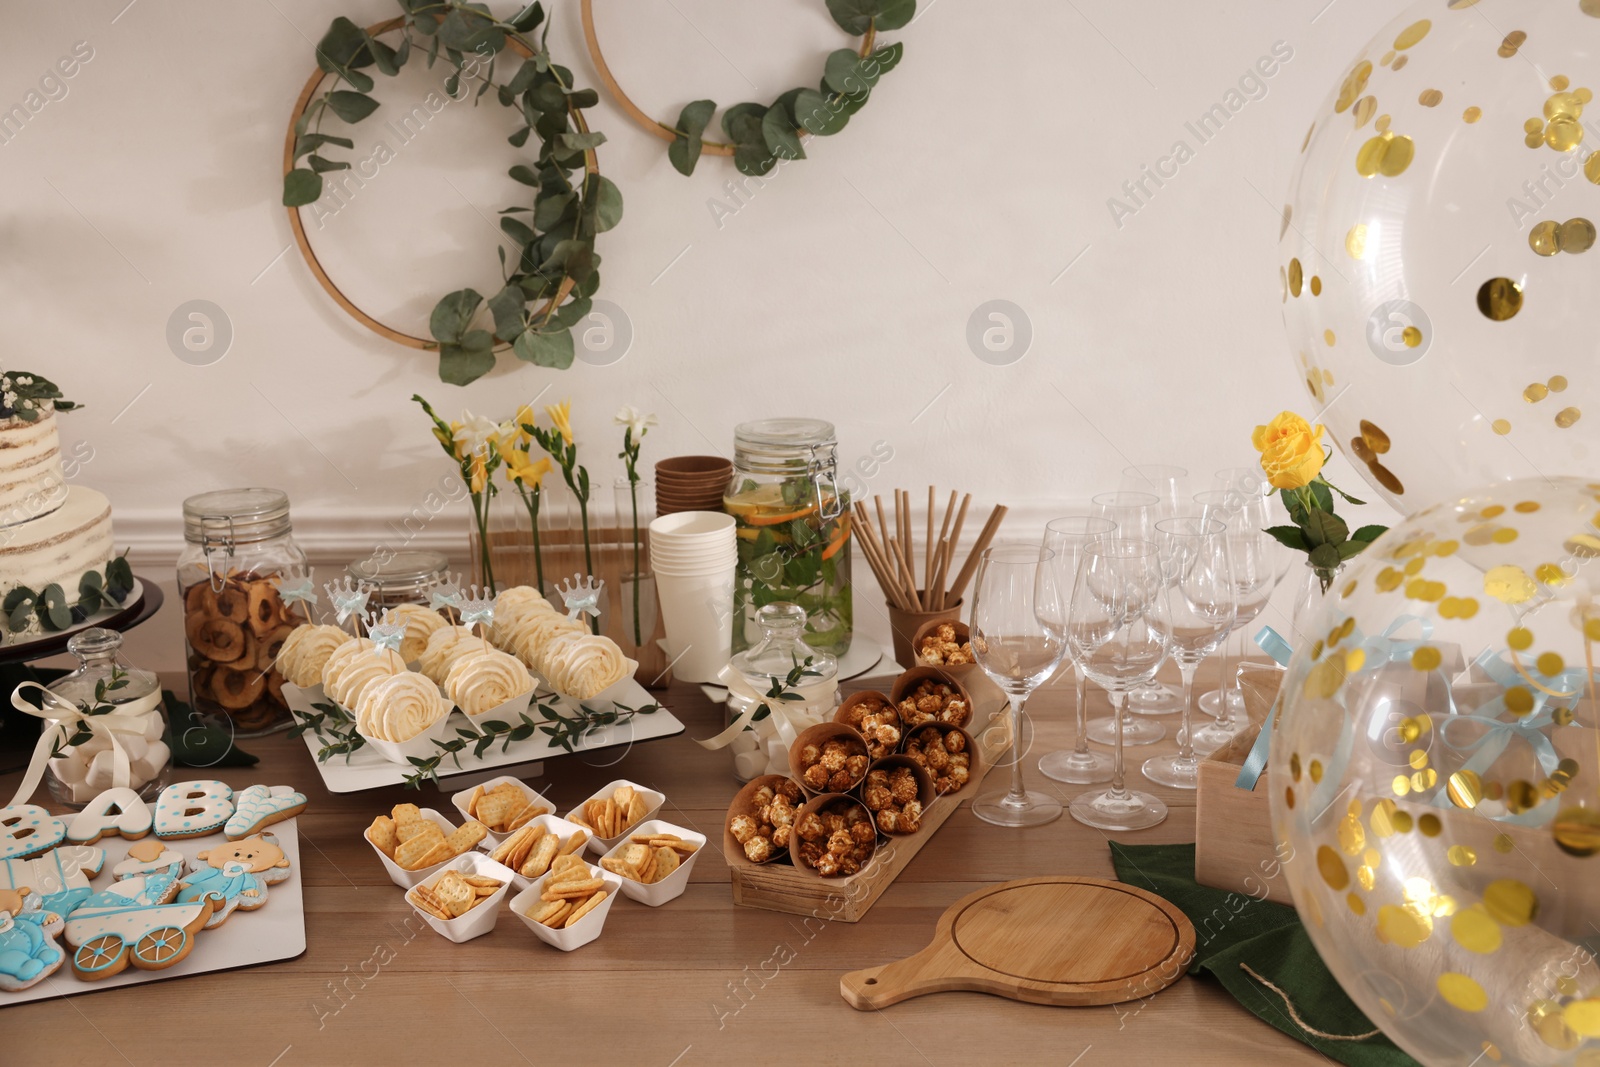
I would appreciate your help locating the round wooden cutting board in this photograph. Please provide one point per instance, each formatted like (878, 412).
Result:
(1069, 942)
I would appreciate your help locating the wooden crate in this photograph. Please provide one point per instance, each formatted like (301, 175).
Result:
(781, 887)
(511, 552)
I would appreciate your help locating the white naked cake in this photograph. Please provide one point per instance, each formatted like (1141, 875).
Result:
(51, 533)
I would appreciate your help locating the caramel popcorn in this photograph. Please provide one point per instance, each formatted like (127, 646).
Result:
(941, 648)
(942, 752)
(838, 840)
(765, 830)
(891, 795)
(877, 721)
(835, 766)
(934, 701)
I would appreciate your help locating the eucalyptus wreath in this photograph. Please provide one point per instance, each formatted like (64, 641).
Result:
(553, 278)
(760, 135)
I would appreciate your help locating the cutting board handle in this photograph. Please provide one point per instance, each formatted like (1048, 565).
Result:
(939, 968)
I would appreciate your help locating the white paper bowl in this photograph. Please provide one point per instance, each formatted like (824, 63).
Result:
(421, 746)
(301, 697)
(624, 686)
(672, 886)
(510, 711)
(588, 928)
(481, 919)
(601, 845)
(491, 840)
(399, 875)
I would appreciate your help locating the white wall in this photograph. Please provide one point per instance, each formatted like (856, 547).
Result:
(980, 170)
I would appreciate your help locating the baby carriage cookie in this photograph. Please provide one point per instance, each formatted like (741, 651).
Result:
(137, 921)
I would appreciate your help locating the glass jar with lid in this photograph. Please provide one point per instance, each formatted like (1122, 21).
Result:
(239, 543)
(405, 577)
(793, 527)
(136, 718)
(763, 747)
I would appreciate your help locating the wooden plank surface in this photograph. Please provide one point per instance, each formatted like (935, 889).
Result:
(696, 981)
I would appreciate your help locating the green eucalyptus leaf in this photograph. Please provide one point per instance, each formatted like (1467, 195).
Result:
(778, 128)
(845, 72)
(91, 581)
(451, 315)
(21, 596)
(310, 142)
(818, 115)
(301, 187)
(528, 18)
(553, 349)
(119, 579)
(577, 142)
(524, 174)
(754, 159)
(507, 307)
(886, 59)
(606, 201)
(19, 618)
(893, 14)
(742, 123)
(89, 601)
(52, 608)
(692, 123)
(386, 59)
(340, 46)
(322, 166)
(520, 138)
(460, 366)
(582, 98)
(572, 312)
(517, 230)
(352, 107)
(550, 211)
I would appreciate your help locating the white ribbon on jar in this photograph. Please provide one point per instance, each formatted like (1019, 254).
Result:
(788, 717)
(126, 718)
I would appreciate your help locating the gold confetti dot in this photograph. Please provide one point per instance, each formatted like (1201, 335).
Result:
(1475, 931)
(1535, 392)
(1465, 789)
(1559, 82)
(1354, 660)
(1331, 866)
(1412, 34)
(1297, 281)
(1352, 838)
(1316, 284)
(1425, 659)
(1461, 856)
(1354, 83)
(1314, 772)
(1400, 62)
(1584, 94)
(1429, 825)
(1518, 700)
(1500, 426)
(1493, 511)
(1402, 822)
(1503, 843)
(1563, 134)
(1534, 126)
(1513, 41)
(1288, 796)
(1590, 8)
(1583, 1017)
(1460, 991)
(1577, 831)
(1567, 417)
(1557, 384)
(1418, 759)
(1534, 140)
(1520, 796)
(1383, 814)
(1545, 238)
(1471, 115)
(1520, 639)
(1510, 902)
(1563, 105)
(1431, 98)
(1411, 336)
(1422, 781)
(1550, 664)
(1577, 236)
(1402, 926)
(1550, 574)
(1294, 766)
(1365, 108)
(1498, 298)
(1356, 904)
(1528, 507)
(1328, 336)
(1504, 536)
(1367, 876)
(1390, 154)
(1591, 167)
(1382, 125)
(1544, 1018)
(1509, 584)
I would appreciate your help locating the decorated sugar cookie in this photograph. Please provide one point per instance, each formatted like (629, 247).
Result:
(115, 811)
(60, 877)
(193, 809)
(27, 830)
(150, 856)
(255, 809)
(28, 952)
(235, 876)
(135, 921)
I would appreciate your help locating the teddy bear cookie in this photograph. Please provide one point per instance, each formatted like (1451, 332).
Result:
(256, 808)
(235, 876)
(28, 952)
(150, 856)
(138, 921)
(193, 809)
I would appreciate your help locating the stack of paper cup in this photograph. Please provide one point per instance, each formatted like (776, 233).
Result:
(693, 555)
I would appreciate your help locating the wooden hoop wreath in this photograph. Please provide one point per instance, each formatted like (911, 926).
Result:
(591, 166)
(671, 134)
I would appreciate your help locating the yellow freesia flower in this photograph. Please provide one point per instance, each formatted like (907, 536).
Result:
(525, 416)
(529, 473)
(561, 418)
(1291, 450)
(480, 473)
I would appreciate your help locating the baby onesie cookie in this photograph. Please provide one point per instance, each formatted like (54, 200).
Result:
(27, 830)
(150, 856)
(28, 952)
(255, 809)
(116, 811)
(135, 921)
(193, 809)
(235, 876)
(60, 877)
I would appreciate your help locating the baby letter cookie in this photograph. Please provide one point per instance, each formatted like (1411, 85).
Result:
(255, 809)
(116, 811)
(27, 829)
(235, 876)
(193, 809)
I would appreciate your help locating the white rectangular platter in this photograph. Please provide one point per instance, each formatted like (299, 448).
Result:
(366, 769)
(275, 931)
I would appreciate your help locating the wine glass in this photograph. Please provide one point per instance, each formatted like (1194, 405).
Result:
(1066, 536)
(1169, 484)
(1111, 637)
(1135, 514)
(1018, 632)
(1192, 614)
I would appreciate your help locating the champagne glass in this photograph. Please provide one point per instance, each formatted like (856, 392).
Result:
(1109, 632)
(1018, 631)
(1066, 536)
(1192, 614)
(1135, 514)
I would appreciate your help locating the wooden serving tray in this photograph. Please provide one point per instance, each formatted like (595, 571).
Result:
(1067, 942)
(781, 887)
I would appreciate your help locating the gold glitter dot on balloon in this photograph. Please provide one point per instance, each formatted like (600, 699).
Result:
(1475, 931)
(1388, 154)
(1354, 660)
(1557, 384)
(1316, 285)
(1315, 770)
(1577, 831)
(1383, 813)
(1521, 796)
(1563, 134)
(1422, 781)
(1425, 659)
(1544, 1019)
(1429, 825)
(1328, 336)
(1498, 298)
(1479, 535)
(1550, 664)
(1584, 94)
(1590, 8)
(1327, 376)
(1520, 639)
(1332, 868)
(1471, 115)
(1591, 167)
(1504, 536)
(1354, 83)
(1534, 126)
(1563, 105)
(1382, 124)
(1500, 426)
(1545, 238)
(1355, 242)
(1513, 41)
(1551, 574)
(1534, 140)
(1461, 5)
(1367, 876)
(1352, 838)
(1400, 62)
(1431, 98)
(1402, 926)
(1461, 856)
(1567, 417)
(1559, 82)
(1365, 108)
(1418, 759)
(1577, 236)
(1297, 281)
(1510, 902)
(1509, 584)
(1356, 904)
(1411, 336)
(1460, 991)
(1583, 1017)
(1412, 34)
(1372, 857)
(1535, 392)
(1518, 700)
(1493, 511)
(1288, 796)
(1503, 843)
(1402, 822)
(1528, 507)
(1294, 766)
(1465, 789)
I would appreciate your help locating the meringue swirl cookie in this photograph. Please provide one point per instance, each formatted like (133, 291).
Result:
(421, 623)
(306, 650)
(583, 665)
(531, 634)
(444, 648)
(483, 680)
(519, 600)
(400, 707)
(354, 666)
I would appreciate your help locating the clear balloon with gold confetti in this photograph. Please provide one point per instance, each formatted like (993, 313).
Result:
(1437, 253)
(1435, 768)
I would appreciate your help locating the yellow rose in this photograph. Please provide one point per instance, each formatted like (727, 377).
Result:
(1291, 450)
(561, 418)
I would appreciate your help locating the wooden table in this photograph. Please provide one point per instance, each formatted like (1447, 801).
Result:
(696, 981)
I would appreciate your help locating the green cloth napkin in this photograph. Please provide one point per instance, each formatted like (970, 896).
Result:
(1234, 932)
